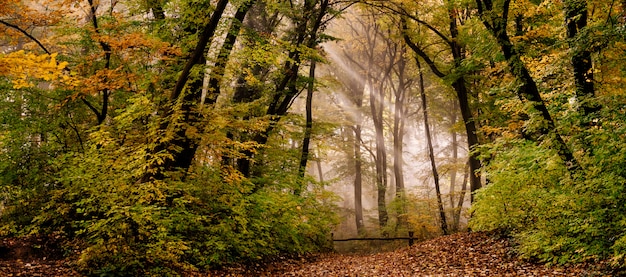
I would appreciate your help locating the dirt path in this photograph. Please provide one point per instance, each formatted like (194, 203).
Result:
(475, 254)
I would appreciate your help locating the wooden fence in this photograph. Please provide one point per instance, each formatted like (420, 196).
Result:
(410, 238)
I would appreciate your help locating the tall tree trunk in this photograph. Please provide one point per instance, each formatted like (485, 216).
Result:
(575, 20)
(453, 169)
(307, 31)
(462, 93)
(398, 128)
(431, 153)
(358, 181)
(356, 88)
(376, 105)
(182, 158)
(308, 128)
(398, 138)
(219, 69)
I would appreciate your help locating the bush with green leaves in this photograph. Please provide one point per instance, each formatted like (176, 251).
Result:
(555, 215)
(128, 227)
(164, 227)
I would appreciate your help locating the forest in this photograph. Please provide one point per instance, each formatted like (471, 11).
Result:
(154, 137)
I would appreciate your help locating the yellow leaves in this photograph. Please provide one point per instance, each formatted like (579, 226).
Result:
(23, 67)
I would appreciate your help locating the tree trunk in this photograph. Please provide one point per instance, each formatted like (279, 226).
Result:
(358, 181)
(459, 205)
(431, 153)
(217, 73)
(376, 105)
(182, 158)
(398, 139)
(527, 89)
(453, 169)
(398, 129)
(462, 94)
(308, 128)
(575, 20)
(307, 31)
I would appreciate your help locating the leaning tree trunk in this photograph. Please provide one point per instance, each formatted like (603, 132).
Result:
(527, 90)
(431, 153)
(307, 129)
(182, 158)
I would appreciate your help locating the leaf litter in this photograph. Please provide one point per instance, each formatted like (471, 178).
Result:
(462, 254)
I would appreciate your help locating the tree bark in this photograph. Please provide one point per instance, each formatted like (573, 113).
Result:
(308, 128)
(182, 158)
(576, 20)
(453, 169)
(358, 181)
(431, 153)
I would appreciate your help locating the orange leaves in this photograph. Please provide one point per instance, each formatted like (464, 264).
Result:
(106, 79)
(128, 46)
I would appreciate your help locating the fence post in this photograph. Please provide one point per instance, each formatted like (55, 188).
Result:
(410, 238)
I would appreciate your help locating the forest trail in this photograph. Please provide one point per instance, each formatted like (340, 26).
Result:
(463, 254)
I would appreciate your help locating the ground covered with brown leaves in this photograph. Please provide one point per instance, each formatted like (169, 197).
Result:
(464, 254)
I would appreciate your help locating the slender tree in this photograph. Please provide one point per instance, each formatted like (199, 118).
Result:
(431, 152)
(456, 73)
(309, 125)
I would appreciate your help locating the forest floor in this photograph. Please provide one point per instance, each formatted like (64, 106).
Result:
(463, 254)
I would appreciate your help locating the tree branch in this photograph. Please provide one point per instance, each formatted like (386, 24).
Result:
(431, 64)
(26, 34)
(207, 34)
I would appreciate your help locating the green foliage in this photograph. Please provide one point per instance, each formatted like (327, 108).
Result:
(93, 158)
(555, 216)
(161, 227)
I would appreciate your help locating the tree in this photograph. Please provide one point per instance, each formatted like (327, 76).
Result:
(576, 20)
(456, 75)
(142, 183)
(495, 19)
(431, 154)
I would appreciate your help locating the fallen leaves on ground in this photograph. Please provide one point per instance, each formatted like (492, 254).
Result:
(463, 254)
(33, 257)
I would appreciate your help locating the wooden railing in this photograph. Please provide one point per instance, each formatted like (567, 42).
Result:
(410, 238)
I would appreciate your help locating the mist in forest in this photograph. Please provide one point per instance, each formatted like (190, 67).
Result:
(334, 104)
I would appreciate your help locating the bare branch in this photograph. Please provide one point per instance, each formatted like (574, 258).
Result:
(26, 34)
